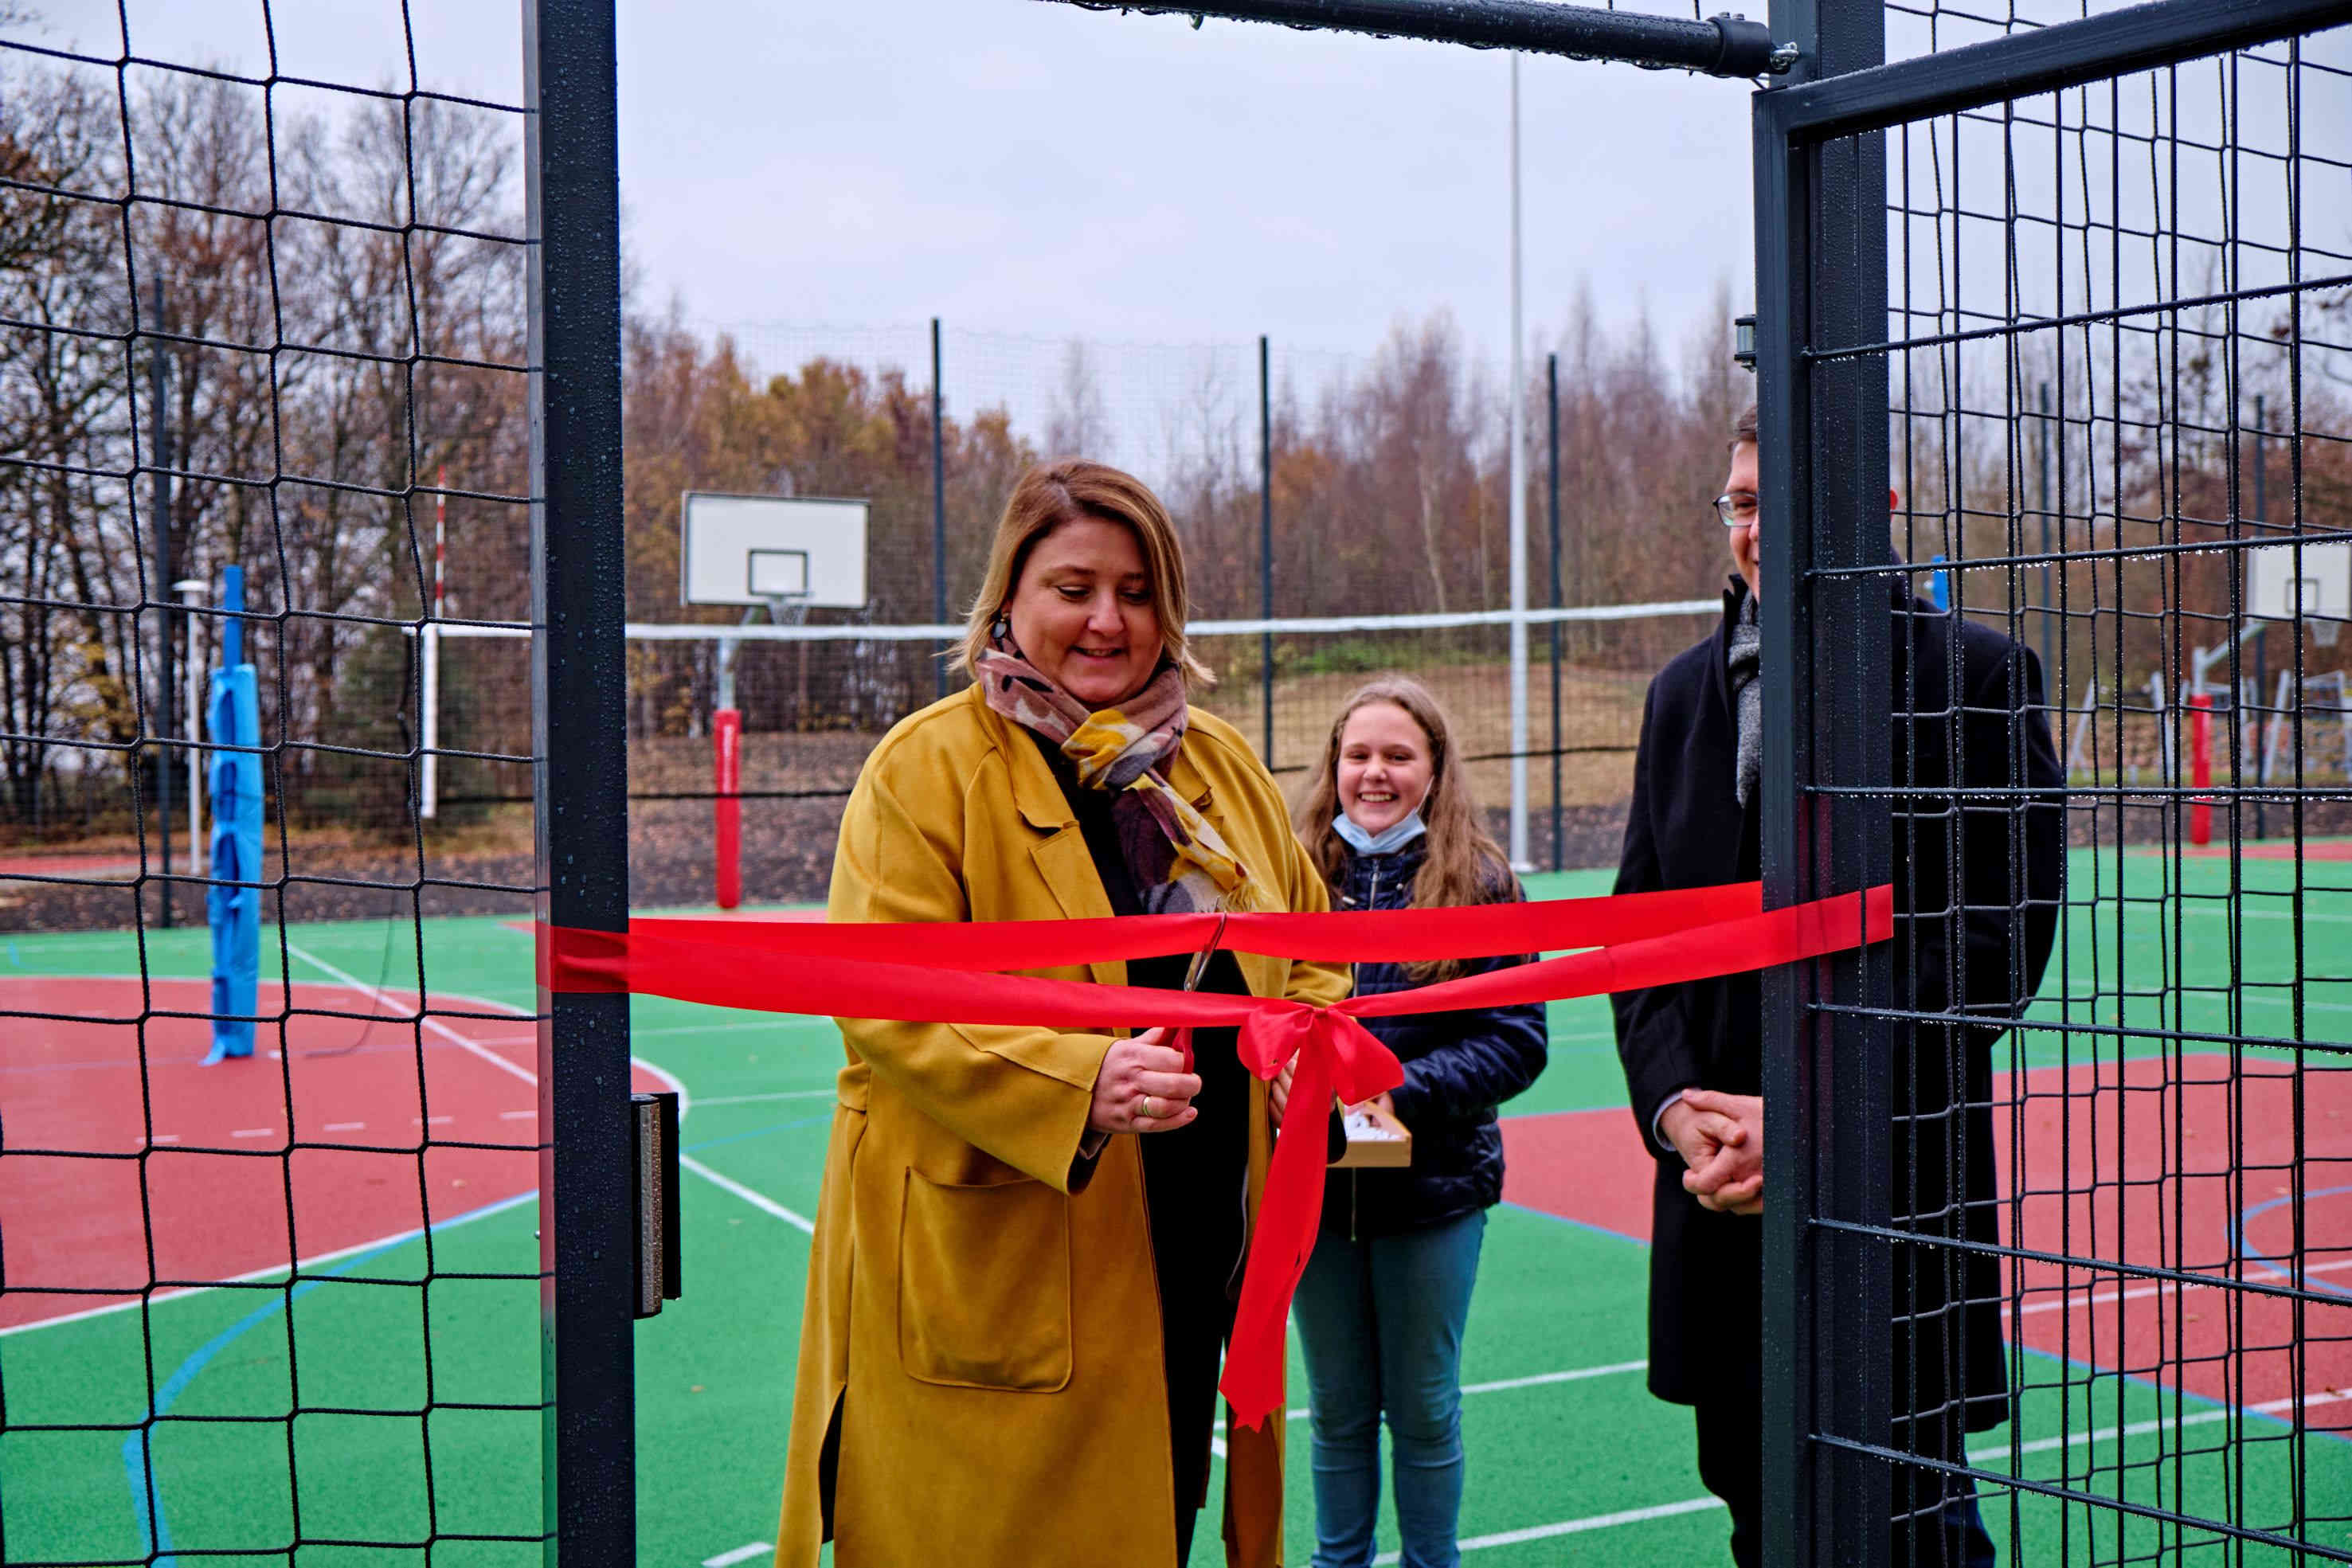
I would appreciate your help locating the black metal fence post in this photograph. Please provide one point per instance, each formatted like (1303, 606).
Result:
(938, 501)
(1265, 544)
(1828, 1294)
(579, 682)
(1551, 425)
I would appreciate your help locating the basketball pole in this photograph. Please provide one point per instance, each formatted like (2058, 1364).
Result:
(727, 779)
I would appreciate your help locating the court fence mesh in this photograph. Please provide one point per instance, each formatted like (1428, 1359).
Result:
(255, 319)
(2090, 1266)
(1329, 491)
(251, 320)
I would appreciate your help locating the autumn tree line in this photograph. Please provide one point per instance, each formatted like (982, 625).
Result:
(334, 289)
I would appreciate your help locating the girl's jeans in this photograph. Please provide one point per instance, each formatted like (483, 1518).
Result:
(1381, 1321)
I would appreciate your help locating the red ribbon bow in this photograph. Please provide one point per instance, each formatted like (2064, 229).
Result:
(1646, 939)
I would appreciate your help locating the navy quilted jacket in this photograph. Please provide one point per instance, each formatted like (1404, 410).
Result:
(1458, 1067)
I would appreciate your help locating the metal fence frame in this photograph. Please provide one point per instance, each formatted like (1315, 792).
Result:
(580, 777)
(1823, 414)
(1822, 278)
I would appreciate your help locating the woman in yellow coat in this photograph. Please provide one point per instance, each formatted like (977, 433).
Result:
(1029, 1241)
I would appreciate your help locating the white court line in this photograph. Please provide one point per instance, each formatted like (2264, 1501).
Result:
(272, 1272)
(1578, 1526)
(2138, 1292)
(740, 1555)
(756, 1199)
(760, 1099)
(435, 1025)
(774, 1021)
(1574, 1375)
(2160, 1424)
(1977, 1455)
(760, 1201)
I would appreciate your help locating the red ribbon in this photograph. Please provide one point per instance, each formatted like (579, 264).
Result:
(1648, 939)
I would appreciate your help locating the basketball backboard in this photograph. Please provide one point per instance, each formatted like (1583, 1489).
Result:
(767, 550)
(2323, 572)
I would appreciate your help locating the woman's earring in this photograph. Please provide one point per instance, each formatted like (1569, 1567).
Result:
(1003, 627)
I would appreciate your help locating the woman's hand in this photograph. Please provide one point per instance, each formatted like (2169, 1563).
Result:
(1143, 1087)
(1278, 1091)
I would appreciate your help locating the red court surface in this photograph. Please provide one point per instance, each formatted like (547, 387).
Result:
(2123, 1163)
(222, 1193)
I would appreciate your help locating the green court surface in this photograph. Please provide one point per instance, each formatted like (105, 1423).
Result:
(383, 1347)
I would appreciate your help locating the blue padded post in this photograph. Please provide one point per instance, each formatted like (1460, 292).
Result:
(233, 905)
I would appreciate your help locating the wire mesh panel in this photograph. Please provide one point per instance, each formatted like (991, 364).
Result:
(2074, 1188)
(269, 1139)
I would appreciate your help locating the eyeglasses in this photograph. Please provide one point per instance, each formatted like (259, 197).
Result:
(1735, 509)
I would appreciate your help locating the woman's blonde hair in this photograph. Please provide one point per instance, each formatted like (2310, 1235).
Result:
(1064, 491)
(1463, 863)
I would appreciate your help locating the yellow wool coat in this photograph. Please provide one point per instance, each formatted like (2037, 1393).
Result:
(981, 1378)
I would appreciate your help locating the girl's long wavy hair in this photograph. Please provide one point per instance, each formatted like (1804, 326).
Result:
(1463, 863)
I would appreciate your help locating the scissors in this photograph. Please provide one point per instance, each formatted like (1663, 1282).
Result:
(1192, 978)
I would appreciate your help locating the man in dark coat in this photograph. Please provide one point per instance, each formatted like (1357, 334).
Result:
(1978, 887)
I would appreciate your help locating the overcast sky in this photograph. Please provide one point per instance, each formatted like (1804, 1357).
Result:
(1023, 167)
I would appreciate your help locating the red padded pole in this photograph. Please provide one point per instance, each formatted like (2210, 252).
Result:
(727, 756)
(2200, 766)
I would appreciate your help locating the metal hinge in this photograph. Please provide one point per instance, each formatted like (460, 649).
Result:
(653, 1124)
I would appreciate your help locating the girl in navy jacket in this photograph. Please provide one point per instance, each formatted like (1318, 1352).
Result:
(1391, 824)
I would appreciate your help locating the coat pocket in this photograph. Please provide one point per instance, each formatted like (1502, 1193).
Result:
(984, 1285)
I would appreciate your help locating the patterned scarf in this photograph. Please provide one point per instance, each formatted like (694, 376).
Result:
(1179, 861)
(1745, 660)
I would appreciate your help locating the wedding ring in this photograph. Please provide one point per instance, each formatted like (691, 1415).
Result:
(1143, 1110)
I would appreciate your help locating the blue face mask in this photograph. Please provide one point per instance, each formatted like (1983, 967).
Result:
(1393, 837)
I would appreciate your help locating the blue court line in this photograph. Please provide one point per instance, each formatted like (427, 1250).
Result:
(154, 1530)
(2265, 1261)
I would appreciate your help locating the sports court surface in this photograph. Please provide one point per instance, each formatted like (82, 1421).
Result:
(1571, 1460)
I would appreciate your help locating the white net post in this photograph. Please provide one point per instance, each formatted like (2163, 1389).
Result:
(2076, 753)
(191, 591)
(428, 758)
(2276, 730)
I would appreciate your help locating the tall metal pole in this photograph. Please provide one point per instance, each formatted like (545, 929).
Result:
(2049, 602)
(579, 768)
(166, 694)
(938, 501)
(1518, 518)
(1551, 425)
(1828, 1335)
(2262, 638)
(1266, 547)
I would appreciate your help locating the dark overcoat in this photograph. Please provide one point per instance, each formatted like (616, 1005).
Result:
(1458, 1066)
(1977, 889)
